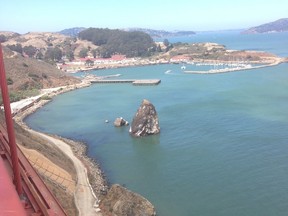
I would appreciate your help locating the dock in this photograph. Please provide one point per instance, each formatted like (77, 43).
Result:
(133, 81)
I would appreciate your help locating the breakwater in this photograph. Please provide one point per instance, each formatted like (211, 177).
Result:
(133, 81)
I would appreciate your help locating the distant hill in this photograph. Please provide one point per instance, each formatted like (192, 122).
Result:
(280, 25)
(162, 33)
(72, 32)
(40, 45)
(6, 35)
(111, 41)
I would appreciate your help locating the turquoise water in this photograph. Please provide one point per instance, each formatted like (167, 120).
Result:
(223, 146)
(276, 43)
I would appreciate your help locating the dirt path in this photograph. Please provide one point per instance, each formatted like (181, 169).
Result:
(85, 199)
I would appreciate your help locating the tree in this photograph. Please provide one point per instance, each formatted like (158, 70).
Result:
(89, 63)
(57, 54)
(53, 54)
(95, 52)
(30, 50)
(70, 55)
(17, 48)
(117, 41)
(3, 38)
(83, 53)
(39, 55)
(166, 42)
(9, 81)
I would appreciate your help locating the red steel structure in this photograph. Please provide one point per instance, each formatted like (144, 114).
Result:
(22, 191)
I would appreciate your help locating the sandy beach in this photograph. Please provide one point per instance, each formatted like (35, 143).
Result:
(90, 180)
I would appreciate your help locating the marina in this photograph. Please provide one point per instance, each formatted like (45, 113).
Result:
(237, 67)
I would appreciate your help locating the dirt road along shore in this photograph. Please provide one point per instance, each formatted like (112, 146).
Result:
(85, 199)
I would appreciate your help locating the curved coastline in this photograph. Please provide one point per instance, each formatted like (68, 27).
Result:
(96, 186)
(90, 178)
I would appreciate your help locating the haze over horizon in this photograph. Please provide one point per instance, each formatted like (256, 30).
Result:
(205, 15)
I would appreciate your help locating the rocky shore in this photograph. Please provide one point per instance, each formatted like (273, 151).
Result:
(93, 180)
(91, 185)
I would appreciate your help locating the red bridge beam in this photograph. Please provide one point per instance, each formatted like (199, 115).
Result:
(10, 126)
(28, 183)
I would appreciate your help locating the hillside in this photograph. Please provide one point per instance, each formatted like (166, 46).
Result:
(72, 32)
(48, 46)
(25, 76)
(280, 25)
(162, 33)
(93, 42)
(6, 35)
(111, 41)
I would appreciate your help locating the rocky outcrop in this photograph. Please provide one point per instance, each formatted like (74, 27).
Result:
(145, 121)
(120, 122)
(119, 202)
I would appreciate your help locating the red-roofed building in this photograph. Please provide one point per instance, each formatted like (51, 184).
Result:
(180, 58)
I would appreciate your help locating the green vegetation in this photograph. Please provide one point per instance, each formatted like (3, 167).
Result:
(53, 54)
(19, 95)
(131, 44)
(30, 50)
(3, 38)
(83, 53)
(17, 48)
(46, 97)
(89, 63)
(9, 81)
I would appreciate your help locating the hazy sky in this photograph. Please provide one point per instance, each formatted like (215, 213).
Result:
(54, 15)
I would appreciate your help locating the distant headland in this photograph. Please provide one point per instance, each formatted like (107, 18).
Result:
(280, 25)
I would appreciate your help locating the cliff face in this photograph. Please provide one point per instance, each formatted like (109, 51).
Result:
(280, 25)
(121, 202)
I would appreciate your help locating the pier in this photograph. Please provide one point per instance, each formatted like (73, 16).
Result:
(133, 81)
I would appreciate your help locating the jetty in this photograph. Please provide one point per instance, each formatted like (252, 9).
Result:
(133, 81)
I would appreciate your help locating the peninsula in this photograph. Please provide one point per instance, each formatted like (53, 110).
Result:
(280, 25)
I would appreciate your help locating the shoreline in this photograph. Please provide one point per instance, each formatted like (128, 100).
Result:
(90, 171)
(96, 186)
(272, 61)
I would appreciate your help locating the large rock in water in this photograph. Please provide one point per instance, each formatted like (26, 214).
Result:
(145, 121)
(121, 202)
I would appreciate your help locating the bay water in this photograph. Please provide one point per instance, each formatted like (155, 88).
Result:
(223, 146)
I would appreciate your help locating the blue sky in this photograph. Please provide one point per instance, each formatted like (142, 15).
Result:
(54, 15)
